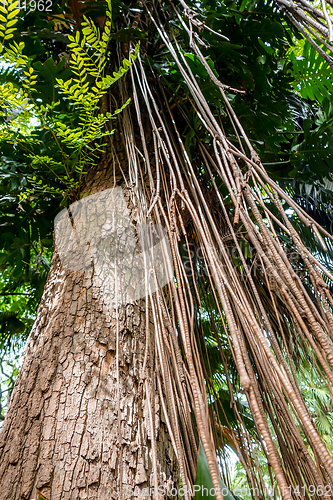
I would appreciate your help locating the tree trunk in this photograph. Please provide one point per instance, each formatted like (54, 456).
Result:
(71, 431)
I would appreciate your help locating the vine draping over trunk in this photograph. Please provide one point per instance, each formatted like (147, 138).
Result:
(258, 312)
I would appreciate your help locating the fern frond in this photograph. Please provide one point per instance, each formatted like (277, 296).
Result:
(14, 55)
(8, 20)
(312, 74)
(30, 80)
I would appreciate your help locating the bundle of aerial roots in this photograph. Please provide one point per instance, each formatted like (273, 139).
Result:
(261, 314)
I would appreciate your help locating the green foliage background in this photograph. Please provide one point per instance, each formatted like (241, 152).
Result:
(52, 132)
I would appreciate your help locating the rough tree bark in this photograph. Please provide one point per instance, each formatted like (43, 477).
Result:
(67, 434)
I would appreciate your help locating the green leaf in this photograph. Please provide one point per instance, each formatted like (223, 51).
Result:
(312, 74)
(13, 13)
(203, 481)
(48, 73)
